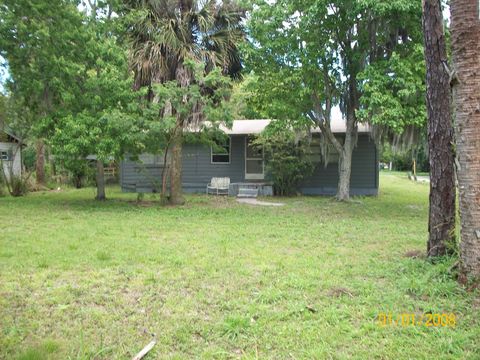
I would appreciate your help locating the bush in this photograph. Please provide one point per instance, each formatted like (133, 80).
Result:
(2, 185)
(288, 160)
(76, 172)
(18, 186)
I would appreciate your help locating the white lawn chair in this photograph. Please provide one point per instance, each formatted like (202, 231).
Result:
(218, 186)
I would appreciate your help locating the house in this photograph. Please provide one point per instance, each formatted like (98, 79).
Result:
(10, 152)
(245, 166)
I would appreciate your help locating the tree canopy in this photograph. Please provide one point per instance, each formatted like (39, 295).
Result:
(42, 43)
(314, 55)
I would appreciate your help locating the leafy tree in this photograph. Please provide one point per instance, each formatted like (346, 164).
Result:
(101, 124)
(311, 56)
(42, 45)
(164, 37)
(393, 101)
(246, 98)
(393, 93)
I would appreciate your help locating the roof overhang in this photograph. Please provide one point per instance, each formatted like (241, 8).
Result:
(4, 128)
(254, 127)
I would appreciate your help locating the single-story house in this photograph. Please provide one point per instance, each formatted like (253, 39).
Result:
(245, 166)
(10, 152)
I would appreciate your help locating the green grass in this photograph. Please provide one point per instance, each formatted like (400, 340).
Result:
(216, 279)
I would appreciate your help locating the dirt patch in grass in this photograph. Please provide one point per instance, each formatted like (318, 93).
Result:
(414, 254)
(337, 292)
(145, 203)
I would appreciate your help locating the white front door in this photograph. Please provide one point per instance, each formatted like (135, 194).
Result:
(254, 164)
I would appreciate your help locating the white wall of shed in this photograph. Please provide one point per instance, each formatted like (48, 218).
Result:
(17, 158)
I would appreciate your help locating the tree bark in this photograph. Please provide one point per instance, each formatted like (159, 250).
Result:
(183, 77)
(176, 194)
(344, 173)
(465, 30)
(345, 168)
(100, 179)
(345, 160)
(165, 173)
(40, 163)
(441, 220)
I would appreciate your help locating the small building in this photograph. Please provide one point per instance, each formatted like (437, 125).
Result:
(245, 165)
(10, 152)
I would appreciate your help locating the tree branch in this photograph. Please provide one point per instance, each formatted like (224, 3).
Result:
(318, 116)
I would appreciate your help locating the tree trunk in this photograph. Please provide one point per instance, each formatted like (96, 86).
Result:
(344, 171)
(165, 173)
(100, 178)
(183, 78)
(167, 111)
(176, 195)
(466, 94)
(441, 220)
(345, 158)
(77, 181)
(345, 163)
(40, 163)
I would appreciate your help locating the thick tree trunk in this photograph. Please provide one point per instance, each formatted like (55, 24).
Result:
(351, 128)
(345, 169)
(176, 194)
(466, 94)
(183, 78)
(345, 159)
(441, 220)
(100, 178)
(40, 163)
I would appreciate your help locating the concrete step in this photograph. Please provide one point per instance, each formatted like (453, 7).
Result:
(247, 193)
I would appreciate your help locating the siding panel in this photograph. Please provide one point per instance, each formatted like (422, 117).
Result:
(198, 170)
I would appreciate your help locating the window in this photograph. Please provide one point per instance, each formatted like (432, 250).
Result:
(4, 155)
(221, 152)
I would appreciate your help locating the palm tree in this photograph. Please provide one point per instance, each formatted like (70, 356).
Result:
(466, 94)
(164, 35)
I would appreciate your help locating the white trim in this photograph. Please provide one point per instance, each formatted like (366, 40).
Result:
(249, 127)
(229, 154)
(254, 176)
(4, 156)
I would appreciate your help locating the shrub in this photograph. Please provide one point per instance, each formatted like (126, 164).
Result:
(2, 185)
(17, 186)
(288, 160)
(77, 172)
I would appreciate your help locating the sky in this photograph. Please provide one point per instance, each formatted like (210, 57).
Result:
(3, 74)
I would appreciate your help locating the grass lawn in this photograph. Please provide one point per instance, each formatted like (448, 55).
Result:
(217, 279)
